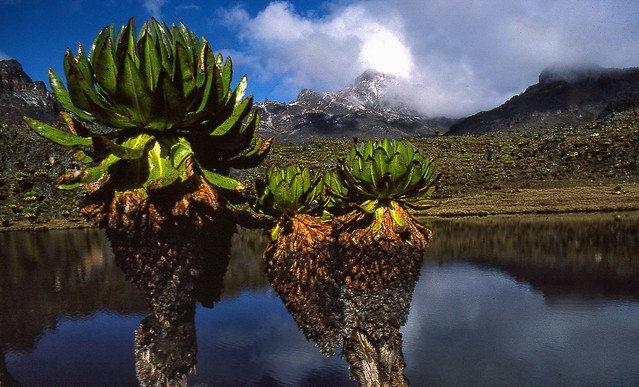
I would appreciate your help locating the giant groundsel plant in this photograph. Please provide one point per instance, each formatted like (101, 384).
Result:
(170, 127)
(287, 193)
(168, 102)
(382, 178)
(381, 172)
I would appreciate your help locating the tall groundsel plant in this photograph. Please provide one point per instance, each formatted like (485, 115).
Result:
(170, 127)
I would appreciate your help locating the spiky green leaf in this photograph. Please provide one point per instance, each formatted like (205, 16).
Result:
(397, 166)
(185, 70)
(82, 157)
(62, 95)
(131, 92)
(240, 91)
(227, 74)
(100, 173)
(222, 181)
(56, 135)
(150, 59)
(83, 65)
(234, 121)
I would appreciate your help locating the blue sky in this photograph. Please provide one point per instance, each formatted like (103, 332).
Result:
(452, 57)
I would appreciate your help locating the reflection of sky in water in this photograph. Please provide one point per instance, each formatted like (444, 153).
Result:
(468, 325)
(252, 340)
(473, 326)
(247, 340)
(97, 350)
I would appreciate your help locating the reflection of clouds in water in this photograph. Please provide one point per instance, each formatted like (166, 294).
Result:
(474, 326)
(251, 338)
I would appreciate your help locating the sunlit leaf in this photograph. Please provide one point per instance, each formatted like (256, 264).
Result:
(56, 135)
(162, 173)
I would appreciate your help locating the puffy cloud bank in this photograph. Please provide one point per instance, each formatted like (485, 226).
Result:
(454, 57)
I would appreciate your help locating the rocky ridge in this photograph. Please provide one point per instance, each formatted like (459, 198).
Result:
(20, 96)
(563, 96)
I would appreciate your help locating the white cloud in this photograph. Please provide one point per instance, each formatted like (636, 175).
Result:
(154, 7)
(188, 7)
(4, 56)
(456, 57)
(279, 23)
(323, 53)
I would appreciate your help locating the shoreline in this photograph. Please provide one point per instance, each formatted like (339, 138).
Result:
(544, 201)
(486, 206)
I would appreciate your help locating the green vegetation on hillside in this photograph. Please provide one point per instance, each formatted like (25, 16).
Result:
(605, 152)
(600, 153)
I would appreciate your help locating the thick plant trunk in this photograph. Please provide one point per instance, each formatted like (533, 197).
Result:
(372, 346)
(300, 268)
(375, 364)
(163, 242)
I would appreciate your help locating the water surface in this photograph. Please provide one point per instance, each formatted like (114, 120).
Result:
(541, 301)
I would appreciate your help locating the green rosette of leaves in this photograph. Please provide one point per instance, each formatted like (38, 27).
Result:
(168, 106)
(383, 178)
(289, 194)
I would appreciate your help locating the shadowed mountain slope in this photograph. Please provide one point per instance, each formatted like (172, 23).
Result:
(571, 96)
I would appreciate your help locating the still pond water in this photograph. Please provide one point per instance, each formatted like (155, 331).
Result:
(521, 302)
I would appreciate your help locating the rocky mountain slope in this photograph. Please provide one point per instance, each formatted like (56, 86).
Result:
(600, 153)
(359, 110)
(20, 96)
(571, 96)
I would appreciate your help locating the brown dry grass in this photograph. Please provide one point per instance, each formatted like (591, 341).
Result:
(592, 198)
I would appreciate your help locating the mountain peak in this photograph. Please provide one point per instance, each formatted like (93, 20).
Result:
(13, 78)
(358, 110)
(373, 76)
(369, 89)
(20, 96)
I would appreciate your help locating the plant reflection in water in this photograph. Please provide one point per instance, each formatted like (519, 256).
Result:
(354, 298)
(363, 317)
(165, 341)
(50, 280)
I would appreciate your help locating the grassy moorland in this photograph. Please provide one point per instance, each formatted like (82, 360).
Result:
(559, 169)
(550, 170)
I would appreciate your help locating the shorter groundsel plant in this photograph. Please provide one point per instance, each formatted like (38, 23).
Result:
(366, 194)
(382, 172)
(299, 251)
(287, 193)
(383, 178)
